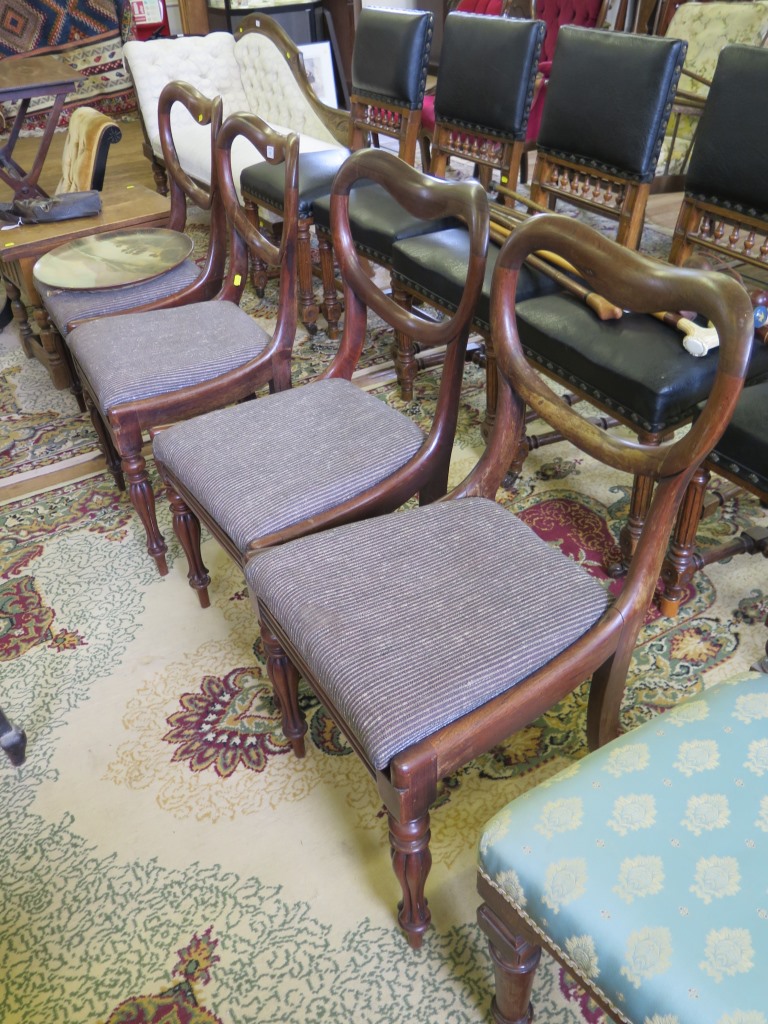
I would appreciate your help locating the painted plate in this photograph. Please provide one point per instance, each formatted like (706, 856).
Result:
(113, 259)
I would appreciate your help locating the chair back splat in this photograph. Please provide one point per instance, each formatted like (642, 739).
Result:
(327, 452)
(507, 625)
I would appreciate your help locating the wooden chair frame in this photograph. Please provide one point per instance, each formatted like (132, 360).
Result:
(409, 783)
(121, 431)
(426, 473)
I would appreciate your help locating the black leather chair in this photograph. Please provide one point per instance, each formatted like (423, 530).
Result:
(429, 267)
(609, 98)
(484, 94)
(637, 368)
(389, 74)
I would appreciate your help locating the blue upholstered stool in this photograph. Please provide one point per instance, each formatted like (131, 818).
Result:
(644, 869)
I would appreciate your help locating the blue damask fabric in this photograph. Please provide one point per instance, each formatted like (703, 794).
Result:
(646, 864)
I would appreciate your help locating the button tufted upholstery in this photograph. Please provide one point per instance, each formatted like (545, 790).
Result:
(642, 868)
(250, 74)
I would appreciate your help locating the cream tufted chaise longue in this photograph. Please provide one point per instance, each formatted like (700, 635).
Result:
(258, 70)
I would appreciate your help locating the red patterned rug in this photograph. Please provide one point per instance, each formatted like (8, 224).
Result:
(86, 34)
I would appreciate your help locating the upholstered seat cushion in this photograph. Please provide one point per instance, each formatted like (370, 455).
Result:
(138, 355)
(66, 305)
(743, 448)
(377, 220)
(645, 863)
(435, 266)
(263, 465)
(636, 365)
(411, 620)
(265, 182)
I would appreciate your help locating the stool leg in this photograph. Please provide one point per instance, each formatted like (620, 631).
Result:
(515, 960)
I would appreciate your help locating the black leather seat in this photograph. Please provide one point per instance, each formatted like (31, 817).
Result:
(389, 72)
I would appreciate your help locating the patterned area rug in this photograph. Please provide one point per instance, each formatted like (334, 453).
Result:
(84, 33)
(165, 857)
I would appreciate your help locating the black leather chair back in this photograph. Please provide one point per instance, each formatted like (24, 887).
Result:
(487, 73)
(609, 99)
(391, 55)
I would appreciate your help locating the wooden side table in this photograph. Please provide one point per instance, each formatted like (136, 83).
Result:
(24, 78)
(20, 248)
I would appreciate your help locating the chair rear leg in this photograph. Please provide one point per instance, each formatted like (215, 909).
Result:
(285, 683)
(331, 304)
(308, 308)
(143, 500)
(515, 960)
(680, 563)
(411, 861)
(111, 457)
(186, 526)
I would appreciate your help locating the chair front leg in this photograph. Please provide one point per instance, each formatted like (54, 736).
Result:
(56, 356)
(143, 500)
(680, 563)
(404, 353)
(186, 526)
(308, 308)
(411, 861)
(515, 960)
(285, 683)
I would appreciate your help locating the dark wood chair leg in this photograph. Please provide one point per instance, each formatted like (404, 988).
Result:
(308, 308)
(112, 459)
(640, 503)
(55, 354)
(680, 563)
(491, 389)
(411, 861)
(12, 740)
(21, 316)
(331, 304)
(285, 683)
(186, 526)
(143, 500)
(515, 960)
(404, 349)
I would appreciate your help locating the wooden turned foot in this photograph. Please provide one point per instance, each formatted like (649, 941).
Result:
(143, 500)
(13, 741)
(515, 960)
(411, 861)
(186, 526)
(285, 682)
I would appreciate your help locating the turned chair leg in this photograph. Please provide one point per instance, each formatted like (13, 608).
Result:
(186, 526)
(411, 861)
(21, 316)
(13, 741)
(308, 308)
(56, 355)
(680, 563)
(515, 960)
(404, 349)
(285, 683)
(143, 500)
(640, 503)
(331, 304)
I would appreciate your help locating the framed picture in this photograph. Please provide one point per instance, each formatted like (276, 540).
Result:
(318, 64)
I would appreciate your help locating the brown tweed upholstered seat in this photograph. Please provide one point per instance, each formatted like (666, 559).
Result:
(179, 347)
(307, 446)
(327, 452)
(440, 568)
(431, 635)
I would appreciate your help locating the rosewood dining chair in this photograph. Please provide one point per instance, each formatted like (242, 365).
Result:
(432, 634)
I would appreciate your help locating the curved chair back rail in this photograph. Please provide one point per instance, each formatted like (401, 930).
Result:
(203, 111)
(507, 625)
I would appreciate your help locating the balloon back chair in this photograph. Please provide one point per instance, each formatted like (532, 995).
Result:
(389, 74)
(169, 362)
(482, 103)
(604, 122)
(63, 308)
(328, 452)
(433, 634)
(637, 869)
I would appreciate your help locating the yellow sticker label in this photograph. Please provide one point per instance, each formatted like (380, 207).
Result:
(199, 117)
(130, 186)
(504, 179)
(238, 279)
(8, 245)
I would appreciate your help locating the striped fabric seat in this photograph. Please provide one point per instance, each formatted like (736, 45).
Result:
(411, 620)
(264, 465)
(66, 305)
(179, 347)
